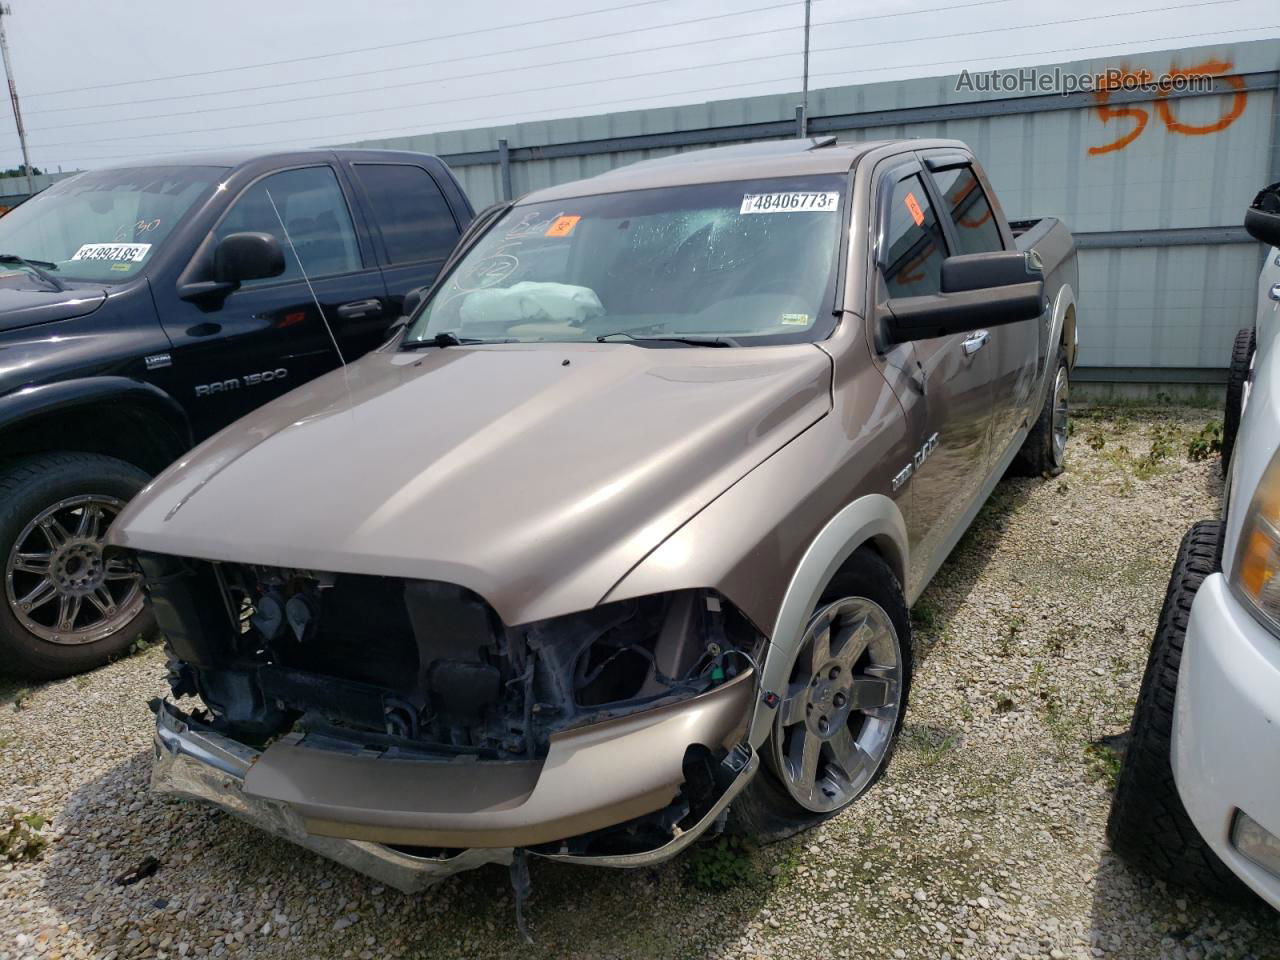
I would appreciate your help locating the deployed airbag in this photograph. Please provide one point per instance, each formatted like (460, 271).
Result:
(531, 302)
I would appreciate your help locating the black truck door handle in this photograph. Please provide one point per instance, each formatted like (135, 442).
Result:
(360, 308)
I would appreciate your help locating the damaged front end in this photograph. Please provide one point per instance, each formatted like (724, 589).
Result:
(400, 727)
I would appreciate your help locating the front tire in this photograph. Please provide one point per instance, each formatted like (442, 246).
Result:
(1237, 376)
(1149, 825)
(838, 723)
(63, 608)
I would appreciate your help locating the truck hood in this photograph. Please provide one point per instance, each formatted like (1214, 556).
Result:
(536, 475)
(25, 300)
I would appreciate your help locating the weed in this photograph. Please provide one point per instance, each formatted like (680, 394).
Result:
(1095, 440)
(926, 615)
(1207, 443)
(1103, 763)
(722, 864)
(1059, 638)
(1162, 442)
(931, 743)
(20, 836)
(1008, 635)
(20, 698)
(140, 645)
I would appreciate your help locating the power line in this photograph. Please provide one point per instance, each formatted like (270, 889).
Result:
(415, 66)
(417, 128)
(343, 53)
(474, 56)
(632, 76)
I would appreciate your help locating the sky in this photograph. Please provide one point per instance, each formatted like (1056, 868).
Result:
(101, 83)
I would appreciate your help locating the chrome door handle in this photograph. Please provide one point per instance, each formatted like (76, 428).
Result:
(359, 308)
(975, 342)
(1275, 291)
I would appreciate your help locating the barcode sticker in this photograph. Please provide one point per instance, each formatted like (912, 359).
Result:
(113, 252)
(813, 202)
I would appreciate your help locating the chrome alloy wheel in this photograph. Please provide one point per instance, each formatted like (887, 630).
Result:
(57, 583)
(835, 726)
(1061, 415)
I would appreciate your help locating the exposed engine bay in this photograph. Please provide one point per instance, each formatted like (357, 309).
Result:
(427, 667)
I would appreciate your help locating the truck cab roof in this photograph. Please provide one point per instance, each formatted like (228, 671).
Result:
(750, 161)
(239, 158)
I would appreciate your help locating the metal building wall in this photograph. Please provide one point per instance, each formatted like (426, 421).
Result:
(1155, 190)
(13, 190)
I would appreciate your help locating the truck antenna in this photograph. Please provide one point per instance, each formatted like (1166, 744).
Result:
(316, 300)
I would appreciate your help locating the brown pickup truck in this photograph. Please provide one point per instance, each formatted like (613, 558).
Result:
(614, 542)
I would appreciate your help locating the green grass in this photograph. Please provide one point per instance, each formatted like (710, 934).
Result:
(720, 864)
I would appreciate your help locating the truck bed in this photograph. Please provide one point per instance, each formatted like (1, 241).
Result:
(1050, 238)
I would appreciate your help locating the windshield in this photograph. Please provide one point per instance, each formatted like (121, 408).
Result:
(748, 261)
(104, 225)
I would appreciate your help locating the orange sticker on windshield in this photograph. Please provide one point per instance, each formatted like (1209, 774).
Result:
(562, 226)
(914, 206)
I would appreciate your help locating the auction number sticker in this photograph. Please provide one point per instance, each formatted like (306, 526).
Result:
(113, 252)
(810, 202)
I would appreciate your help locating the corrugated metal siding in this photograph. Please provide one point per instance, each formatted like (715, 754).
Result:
(14, 189)
(1153, 307)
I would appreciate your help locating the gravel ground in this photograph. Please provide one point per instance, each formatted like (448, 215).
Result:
(985, 838)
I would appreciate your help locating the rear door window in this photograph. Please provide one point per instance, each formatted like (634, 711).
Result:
(914, 248)
(976, 229)
(413, 215)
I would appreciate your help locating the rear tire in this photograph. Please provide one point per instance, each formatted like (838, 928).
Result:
(1044, 452)
(53, 492)
(767, 809)
(1237, 376)
(1149, 826)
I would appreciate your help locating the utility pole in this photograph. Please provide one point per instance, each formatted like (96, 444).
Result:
(7, 11)
(804, 97)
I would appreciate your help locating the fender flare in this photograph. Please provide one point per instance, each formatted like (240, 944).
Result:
(874, 519)
(1065, 301)
(63, 395)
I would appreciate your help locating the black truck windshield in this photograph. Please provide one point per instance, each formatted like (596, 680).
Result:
(104, 225)
(742, 262)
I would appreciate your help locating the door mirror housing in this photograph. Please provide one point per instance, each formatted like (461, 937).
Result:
(1262, 219)
(412, 301)
(247, 256)
(978, 290)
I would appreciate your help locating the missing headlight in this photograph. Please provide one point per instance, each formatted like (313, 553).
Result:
(417, 666)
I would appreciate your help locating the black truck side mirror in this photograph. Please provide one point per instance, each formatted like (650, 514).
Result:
(1262, 219)
(978, 290)
(247, 256)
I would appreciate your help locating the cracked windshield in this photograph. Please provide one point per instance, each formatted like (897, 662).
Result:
(722, 262)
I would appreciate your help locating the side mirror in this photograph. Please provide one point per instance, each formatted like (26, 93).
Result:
(247, 256)
(412, 301)
(1262, 219)
(978, 290)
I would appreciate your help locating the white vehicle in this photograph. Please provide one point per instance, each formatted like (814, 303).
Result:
(1198, 800)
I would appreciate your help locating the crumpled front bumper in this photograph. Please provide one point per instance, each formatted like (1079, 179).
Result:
(598, 776)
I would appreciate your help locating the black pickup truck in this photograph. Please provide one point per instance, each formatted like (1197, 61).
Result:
(143, 308)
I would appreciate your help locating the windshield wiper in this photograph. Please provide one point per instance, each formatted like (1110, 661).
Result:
(692, 341)
(35, 267)
(447, 338)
